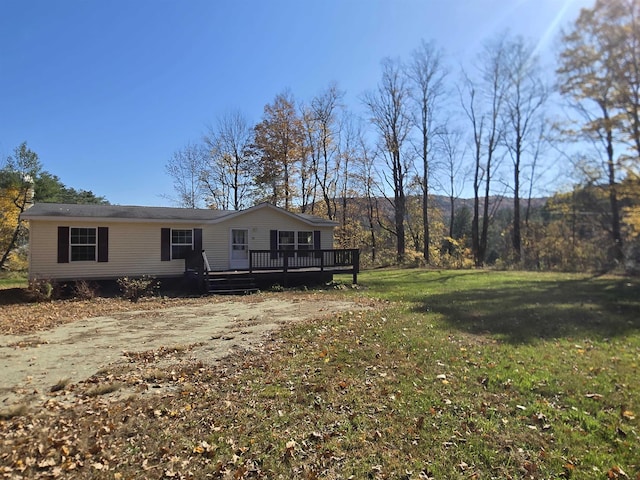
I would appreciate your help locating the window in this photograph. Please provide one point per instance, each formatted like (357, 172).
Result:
(286, 240)
(305, 242)
(181, 243)
(290, 240)
(83, 244)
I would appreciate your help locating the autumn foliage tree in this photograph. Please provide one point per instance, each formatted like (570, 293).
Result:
(16, 193)
(599, 75)
(278, 144)
(22, 182)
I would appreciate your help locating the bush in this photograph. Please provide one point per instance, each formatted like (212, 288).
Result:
(84, 290)
(277, 288)
(136, 288)
(43, 290)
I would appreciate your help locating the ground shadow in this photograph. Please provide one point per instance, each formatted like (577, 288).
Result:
(13, 296)
(527, 310)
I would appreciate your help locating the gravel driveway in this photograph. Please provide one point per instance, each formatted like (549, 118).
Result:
(31, 364)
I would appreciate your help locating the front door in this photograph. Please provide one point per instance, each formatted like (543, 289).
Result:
(239, 249)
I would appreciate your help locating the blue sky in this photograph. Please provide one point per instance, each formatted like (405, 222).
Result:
(106, 91)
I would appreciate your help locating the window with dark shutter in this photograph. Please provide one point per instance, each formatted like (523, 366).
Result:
(84, 242)
(181, 243)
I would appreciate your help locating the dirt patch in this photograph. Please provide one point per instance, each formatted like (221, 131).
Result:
(35, 364)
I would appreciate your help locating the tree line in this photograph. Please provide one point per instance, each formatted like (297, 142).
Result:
(501, 129)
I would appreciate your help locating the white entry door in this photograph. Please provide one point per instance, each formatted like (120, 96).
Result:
(239, 249)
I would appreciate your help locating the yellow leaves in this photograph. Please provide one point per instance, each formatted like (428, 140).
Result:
(627, 414)
(204, 448)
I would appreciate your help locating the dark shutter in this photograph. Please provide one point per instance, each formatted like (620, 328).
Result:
(63, 244)
(197, 240)
(273, 244)
(316, 243)
(165, 244)
(103, 244)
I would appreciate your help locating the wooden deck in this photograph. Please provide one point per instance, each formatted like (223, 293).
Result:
(268, 267)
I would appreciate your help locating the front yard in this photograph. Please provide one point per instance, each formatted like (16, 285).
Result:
(449, 375)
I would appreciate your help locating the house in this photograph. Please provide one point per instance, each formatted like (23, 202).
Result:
(96, 242)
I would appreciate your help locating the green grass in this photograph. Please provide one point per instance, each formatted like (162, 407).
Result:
(13, 280)
(452, 375)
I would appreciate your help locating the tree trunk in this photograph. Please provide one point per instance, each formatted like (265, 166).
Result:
(616, 234)
(475, 221)
(517, 234)
(399, 221)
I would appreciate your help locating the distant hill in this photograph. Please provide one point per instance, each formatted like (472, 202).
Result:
(441, 202)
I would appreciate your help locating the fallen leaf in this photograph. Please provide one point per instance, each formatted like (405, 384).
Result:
(628, 415)
(595, 396)
(616, 472)
(49, 462)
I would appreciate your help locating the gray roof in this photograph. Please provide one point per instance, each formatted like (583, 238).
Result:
(122, 212)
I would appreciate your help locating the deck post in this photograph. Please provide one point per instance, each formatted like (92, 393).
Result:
(250, 262)
(356, 265)
(285, 266)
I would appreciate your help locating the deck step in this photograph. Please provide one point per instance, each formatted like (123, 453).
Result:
(234, 291)
(229, 285)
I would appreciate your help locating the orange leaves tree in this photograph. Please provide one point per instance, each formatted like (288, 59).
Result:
(278, 143)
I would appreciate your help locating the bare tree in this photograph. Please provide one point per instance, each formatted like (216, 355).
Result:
(228, 177)
(366, 177)
(185, 167)
(322, 129)
(449, 143)
(350, 150)
(526, 94)
(483, 102)
(388, 106)
(427, 74)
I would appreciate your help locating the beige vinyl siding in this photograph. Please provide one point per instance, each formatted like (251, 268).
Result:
(134, 250)
(134, 246)
(259, 223)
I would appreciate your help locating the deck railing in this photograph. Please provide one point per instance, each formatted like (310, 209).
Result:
(323, 260)
(320, 260)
